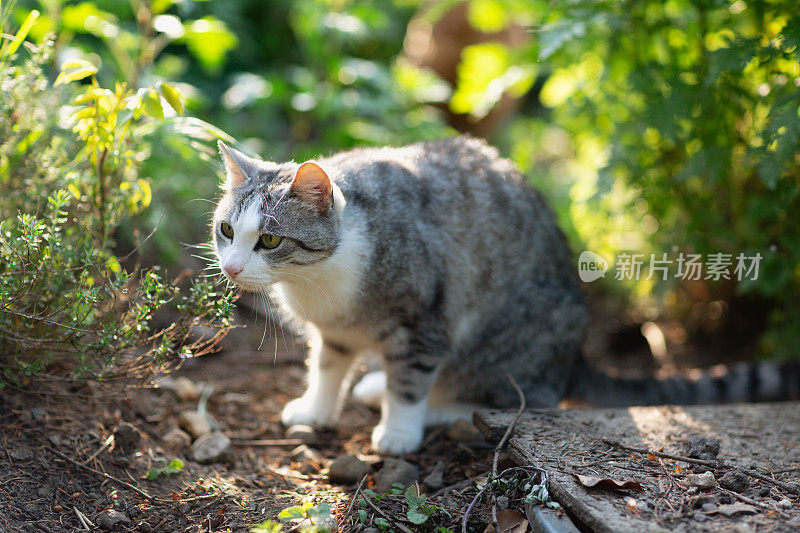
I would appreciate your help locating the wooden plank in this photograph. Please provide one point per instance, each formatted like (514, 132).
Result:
(764, 437)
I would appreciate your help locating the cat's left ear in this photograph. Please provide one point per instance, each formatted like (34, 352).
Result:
(238, 167)
(312, 185)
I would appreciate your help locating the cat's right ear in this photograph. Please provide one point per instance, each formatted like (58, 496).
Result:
(238, 167)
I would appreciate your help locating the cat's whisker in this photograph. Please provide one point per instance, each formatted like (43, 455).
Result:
(311, 282)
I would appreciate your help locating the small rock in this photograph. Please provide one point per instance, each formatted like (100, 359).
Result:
(37, 413)
(306, 454)
(304, 434)
(109, 519)
(726, 499)
(435, 480)
(502, 503)
(31, 508)
(144, 527)
(764, 492)
(44, 491)
(701, 481)
(176, 439)
(20, 455)
(702, 448)
(463, 431)
(212, 448)
(126, 438)
(699, 517)
(395, 471)
(348, 469)
(735, 481)
(709, 508)
(194, 423)
(186, 390)
(785, 503)
(236, 398)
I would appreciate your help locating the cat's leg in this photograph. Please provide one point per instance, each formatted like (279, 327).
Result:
(411, 362)
(371, 389)
(328, 366)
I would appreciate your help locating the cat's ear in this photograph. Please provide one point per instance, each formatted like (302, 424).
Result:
(238, 167)
(312, 185)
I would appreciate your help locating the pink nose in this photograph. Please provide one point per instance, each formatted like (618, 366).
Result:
(232, 271)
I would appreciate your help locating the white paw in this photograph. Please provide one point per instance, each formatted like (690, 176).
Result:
(309, 412)
(371, 389)
(447, 414)
(396, 441)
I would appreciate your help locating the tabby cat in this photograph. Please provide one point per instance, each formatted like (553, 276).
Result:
(441, 260)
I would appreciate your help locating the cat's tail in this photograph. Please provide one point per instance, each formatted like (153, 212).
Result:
(759, 382)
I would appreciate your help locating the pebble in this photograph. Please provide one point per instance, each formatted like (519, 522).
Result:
(144, 527)
(236, 398)
(348, 469)
(109, 519)
(31, 508)
(395, 471)
(701, 481)
(735, 481)
(435, 480)
(463, 431)
(37, 413)
(186, 390)
(176, 439)
(212, 448)
(44, 492)
(709, 507)
(784, 503)
(126, 438)
(20, 455)
(702, 448)
(306, 454)
(194, 423)
(304, 434)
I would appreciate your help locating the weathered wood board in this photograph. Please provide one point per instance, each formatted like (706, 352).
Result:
(760, 438)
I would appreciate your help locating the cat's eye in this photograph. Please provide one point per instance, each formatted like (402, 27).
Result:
(269, 241)
(226, 230)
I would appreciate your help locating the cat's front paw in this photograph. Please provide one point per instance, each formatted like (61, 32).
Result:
(309, 412)
(396, 441)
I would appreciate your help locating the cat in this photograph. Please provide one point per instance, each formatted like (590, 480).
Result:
(440, 259)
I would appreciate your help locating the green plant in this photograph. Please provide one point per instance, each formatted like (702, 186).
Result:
(682, 135)
(173, 467)
(309, 517)
(65, 299)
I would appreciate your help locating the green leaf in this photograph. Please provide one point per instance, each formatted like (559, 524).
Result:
(209, 40)
(153, 473)
(151, 105)
(172, 96)
(9, 48)
(417, 516)
(74, 71)
(267, 527)
(292, 513)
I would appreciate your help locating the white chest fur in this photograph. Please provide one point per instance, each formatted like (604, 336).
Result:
(322, 293)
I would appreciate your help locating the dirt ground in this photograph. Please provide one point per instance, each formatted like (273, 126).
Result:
(60, 472)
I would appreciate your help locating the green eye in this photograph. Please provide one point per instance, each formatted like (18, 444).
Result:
(226, 230)
(269, 241)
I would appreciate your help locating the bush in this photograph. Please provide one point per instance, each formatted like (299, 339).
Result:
(68, 177)
(684, 129)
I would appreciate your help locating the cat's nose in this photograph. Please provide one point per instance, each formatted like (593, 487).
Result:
(232, 271)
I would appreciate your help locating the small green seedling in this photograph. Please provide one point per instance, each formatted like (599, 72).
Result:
(174, 466)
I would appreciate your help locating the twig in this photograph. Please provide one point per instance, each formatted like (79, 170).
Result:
(745, 499)
(793, 489)
(353, 499)
(209, 504)
(105, 445)
(109, 477)
(502, 444)
(400, 526)
(267, 442)
(84, 520)
(477, 497)
(619, 445)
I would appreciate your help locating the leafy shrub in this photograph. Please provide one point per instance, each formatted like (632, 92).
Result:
(684, 129)
(68, 176)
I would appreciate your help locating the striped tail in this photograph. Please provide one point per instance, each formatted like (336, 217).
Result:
(759, 382)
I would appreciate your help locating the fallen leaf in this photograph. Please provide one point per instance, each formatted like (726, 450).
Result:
(607, 483)
(510, 521)
(736, 508)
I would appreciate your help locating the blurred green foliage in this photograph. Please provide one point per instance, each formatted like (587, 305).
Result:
(653, 126)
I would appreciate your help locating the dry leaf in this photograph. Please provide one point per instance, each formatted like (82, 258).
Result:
(736, 508)
(607, 483)
(651, 457)
(508, 521)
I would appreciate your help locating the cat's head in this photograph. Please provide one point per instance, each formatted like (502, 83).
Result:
(274, 220)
